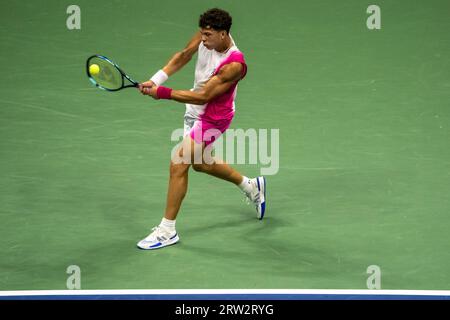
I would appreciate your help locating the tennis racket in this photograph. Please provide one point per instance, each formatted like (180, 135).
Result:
(107, 75)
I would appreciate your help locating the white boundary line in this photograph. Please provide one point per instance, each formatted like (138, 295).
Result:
(226, 292)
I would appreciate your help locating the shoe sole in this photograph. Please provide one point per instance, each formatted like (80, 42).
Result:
(168, 243)
(262, 188)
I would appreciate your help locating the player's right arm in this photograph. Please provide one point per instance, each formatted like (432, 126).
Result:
(181, 58)
(178, 60)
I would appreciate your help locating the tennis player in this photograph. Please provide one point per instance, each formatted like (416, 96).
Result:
(209, 111)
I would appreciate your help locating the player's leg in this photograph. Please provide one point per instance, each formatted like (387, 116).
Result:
(221, 170)
(178, 179)
(165, 233)
(194, 153)
(203, 133)
(254, 189)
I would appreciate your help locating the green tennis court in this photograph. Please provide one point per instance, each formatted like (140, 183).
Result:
(364, 158)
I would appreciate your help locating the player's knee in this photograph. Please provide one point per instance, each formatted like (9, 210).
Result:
(199, 167)
(177, 170)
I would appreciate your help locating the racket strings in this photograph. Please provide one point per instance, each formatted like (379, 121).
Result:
(108, 76)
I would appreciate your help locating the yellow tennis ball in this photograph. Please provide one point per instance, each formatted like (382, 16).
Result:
(94, 69)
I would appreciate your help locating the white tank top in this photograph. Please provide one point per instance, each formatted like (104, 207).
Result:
(207, 62)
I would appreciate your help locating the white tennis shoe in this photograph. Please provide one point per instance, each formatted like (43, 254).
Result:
(159, 238)
(258, 196)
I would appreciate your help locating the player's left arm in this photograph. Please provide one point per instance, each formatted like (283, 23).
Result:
(216, 86)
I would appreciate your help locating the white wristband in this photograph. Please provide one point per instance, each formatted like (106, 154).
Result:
(159, 78)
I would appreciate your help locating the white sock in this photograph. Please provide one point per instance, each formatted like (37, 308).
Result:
(246, 185)
(168, 224)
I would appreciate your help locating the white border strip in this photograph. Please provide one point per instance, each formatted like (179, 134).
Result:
(226, 292)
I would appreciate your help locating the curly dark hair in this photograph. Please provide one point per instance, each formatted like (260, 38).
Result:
(216, 19)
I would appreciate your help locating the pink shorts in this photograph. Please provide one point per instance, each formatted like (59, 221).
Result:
(208, 131)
